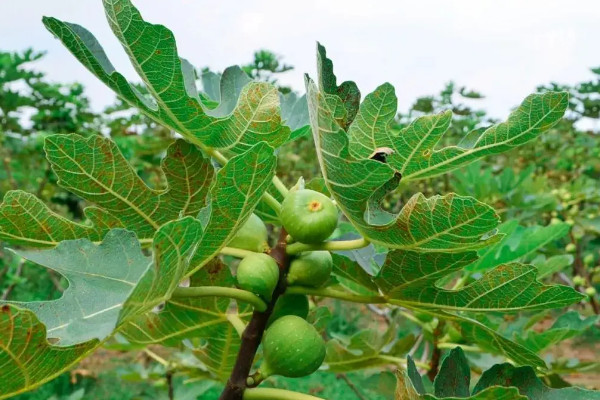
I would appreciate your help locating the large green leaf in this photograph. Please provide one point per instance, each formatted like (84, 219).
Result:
(413, 150)
(410, 278)
(568, 325)
(205, 320)
(170, 81)
(443, 224)
(219, 351)
(27, 360)
(112, 282)
(365, 349)
(518, 242)
(529, 384)
(454, 376)
(95, 169)
(27, 221)
(187, 317)
(492, 341)
(352, 276)
(347, 93)
(238, 188)
(407, 383)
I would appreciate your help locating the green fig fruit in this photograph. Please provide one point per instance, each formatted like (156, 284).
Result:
(311, 269)
(290, 304)
(292, 348)
(308, 216)
(251, 236)
(258, 273)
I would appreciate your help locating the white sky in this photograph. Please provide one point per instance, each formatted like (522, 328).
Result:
(501, 48)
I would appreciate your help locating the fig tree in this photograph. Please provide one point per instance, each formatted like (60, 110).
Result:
(290, 304)
(311, 269)
(258, 273)
(308, 216)
(292, 348)
(251, 236)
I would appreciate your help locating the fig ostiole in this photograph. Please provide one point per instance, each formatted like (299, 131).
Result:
(311, 268)
(258, 273)
(292, 348)
(308, 216)
(251, 236)
(290, 304)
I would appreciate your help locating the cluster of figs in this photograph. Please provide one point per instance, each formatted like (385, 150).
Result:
(292, 347)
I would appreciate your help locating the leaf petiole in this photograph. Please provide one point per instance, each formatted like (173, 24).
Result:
(471, 349)
(335, 245)
(337, 294)
(235, 252)
(402, 361)
(276, 394)
(220, 291)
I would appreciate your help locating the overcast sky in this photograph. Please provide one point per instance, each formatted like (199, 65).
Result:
(501, 48)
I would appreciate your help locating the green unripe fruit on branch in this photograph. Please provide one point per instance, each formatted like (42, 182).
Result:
(590, 291)
(311, 269)
(292, 348)
(308, 216)
(588, 259)
(571, 248)
(290, 304)
(251, 236)
(579, 280)
(258, 273)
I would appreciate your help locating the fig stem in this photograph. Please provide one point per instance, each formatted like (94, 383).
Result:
(336, 294)
(238, 324)
(272, 202)
(220, 291)
(296, 248)
(402, 361)
(276, 394)
(280, 186)
(471, 349)
(239, 253)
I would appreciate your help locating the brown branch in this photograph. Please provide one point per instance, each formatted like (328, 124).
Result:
(170, 389)
(436, 354)
(352, 386)
(9, 289)
(580, 269)
(237, 382)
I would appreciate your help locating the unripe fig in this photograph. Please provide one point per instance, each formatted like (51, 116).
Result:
(590, 291)
(292, 348)
(579, 280)
(571, 248)
(251, 236)
(311, 269)
(258, 273)
(588, 259)
(308, 216)
(290, 304)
